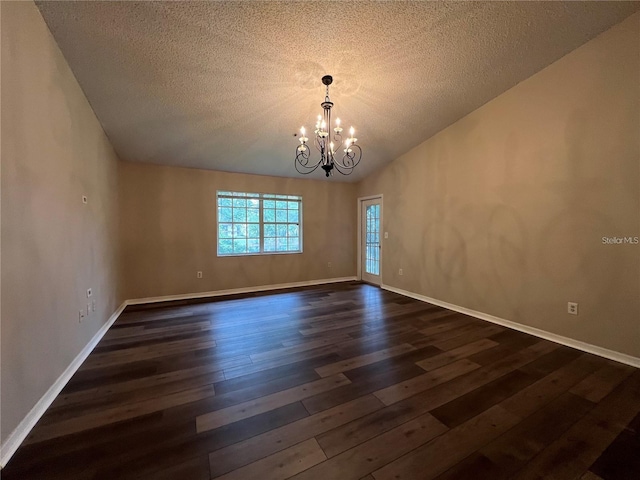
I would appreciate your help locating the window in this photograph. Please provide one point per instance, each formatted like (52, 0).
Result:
(258, 223)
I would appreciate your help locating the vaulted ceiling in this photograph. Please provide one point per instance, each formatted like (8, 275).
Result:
(224, 85)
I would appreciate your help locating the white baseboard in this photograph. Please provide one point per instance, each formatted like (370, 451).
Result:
(15, 439)
(234, 291)
(569, 342)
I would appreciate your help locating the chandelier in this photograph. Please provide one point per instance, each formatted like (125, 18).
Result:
(328, 144)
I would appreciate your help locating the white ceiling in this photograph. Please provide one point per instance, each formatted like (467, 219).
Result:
(225, 85)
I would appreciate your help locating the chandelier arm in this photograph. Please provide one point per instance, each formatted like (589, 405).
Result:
(306, 172)
(302, 156)
(342, 169)
(350, 160)
(302, 160)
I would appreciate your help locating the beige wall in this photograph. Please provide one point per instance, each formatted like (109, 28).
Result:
(168, 231)
(504, 211)
(53, 246)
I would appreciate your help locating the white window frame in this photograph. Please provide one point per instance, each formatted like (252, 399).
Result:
(261, 197)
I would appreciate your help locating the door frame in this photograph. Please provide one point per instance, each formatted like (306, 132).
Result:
(359, 250)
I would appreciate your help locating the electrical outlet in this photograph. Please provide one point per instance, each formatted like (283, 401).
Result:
(572, 308)
(329, 264)
(199, 274)
(89, 292)
(400, 272)
(386, 234)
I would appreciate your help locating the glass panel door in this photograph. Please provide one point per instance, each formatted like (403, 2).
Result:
(371, 248)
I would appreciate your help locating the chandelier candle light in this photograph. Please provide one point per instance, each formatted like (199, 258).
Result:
(328, 144)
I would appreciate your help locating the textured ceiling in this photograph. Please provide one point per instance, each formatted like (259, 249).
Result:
(225, 85)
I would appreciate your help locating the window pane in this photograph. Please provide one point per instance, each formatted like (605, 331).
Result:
(292, 230)
(224, 214)
(253, 203)
(281, 230)
(269, 244)
(253, 215)
(269, 204)
(225, 246)
(281, 215)
(225, 230)
(239, 202)
(293, 216)
(239, 215)
(253, 246)
(239, 230)
(253, 231)
(294, 244)
(269, 215)
(293, 205)
(281, 244)
(269, 230)
(224, 202)
(280, 204)
(239, 246)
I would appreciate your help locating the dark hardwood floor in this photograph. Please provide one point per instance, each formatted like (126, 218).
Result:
(344, 381)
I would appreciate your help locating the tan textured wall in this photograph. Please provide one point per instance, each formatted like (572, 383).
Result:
(53, 246)
(168, 231)
(504, 211)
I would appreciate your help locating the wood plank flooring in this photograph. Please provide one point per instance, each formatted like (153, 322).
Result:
(344, 381)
